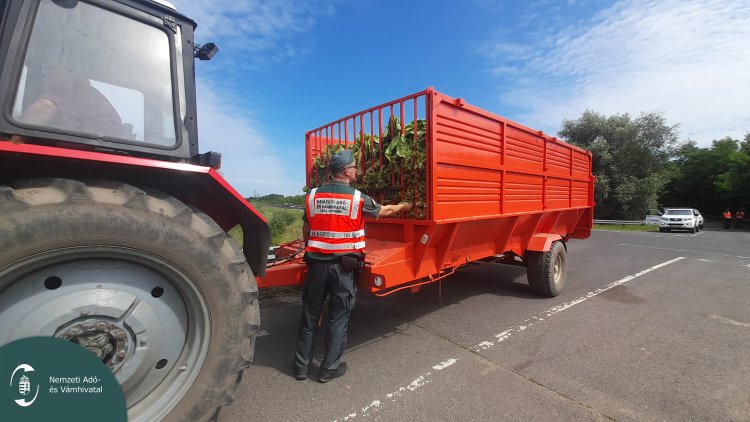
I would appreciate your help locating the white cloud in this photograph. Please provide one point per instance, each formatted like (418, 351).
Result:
(690, 59)
(251, 34)
(249, 161)
(251, 27)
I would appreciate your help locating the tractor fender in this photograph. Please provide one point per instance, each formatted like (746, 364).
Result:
(197, 186)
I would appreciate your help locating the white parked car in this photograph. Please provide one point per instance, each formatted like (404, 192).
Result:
(681, 219)
(700, 218)
(653, 217)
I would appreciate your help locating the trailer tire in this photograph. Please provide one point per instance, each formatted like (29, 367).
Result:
(171, 271)
(548, 271)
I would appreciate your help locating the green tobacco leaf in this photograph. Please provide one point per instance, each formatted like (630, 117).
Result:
(399, 153)
(403, 148)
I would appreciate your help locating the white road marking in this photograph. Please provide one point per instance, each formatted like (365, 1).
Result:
(726, 320)
(505, 335)
(444, 364)
(424, 379)
(697, 234)
(630, 233)
(417, 383)
(703, 260)
(649, 234)
(683, 250)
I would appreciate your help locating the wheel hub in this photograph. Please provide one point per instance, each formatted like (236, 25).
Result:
(557, 269)
(127, 313)
(107, 341)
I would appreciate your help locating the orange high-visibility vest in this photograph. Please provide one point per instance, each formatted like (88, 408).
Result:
(727, 214)
(336, 223)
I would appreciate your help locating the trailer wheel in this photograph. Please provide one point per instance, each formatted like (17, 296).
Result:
(548, 271)
(173, 297)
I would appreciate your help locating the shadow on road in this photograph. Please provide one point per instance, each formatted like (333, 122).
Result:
(375, 319)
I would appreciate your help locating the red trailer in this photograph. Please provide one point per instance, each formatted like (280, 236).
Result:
(493, 190)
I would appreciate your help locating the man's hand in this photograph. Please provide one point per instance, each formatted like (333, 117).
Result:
(390, 210)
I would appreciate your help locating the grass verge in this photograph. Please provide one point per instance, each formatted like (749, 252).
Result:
(627, 227)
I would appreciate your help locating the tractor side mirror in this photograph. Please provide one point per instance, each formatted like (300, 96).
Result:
(205, 51)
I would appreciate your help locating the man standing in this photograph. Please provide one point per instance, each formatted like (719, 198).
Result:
(334, 233)
(727, 219)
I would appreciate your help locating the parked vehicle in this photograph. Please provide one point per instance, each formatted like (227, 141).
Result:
(653, 217)
(700, 218)
(681, 219)
(489, 190)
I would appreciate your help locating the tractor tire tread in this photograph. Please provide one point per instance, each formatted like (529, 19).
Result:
(45, 199)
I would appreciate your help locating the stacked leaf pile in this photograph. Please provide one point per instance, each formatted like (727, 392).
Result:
(391, 169)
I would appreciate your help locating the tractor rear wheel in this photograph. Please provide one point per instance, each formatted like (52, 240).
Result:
(153, 287)
(548, 271)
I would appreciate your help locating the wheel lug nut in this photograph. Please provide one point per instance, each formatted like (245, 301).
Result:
(101, 326)
(121, 355)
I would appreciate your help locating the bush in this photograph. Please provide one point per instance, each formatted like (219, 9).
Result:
(278, 223)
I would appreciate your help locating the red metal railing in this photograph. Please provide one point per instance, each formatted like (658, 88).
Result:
(370, 129)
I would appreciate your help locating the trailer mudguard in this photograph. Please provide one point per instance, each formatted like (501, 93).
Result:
(542, 242)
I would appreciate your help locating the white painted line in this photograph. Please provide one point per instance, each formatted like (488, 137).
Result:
(416, 384)
(683, 250)
(647, 234)
(505, 335)
(424, 379)
(442, 365)
(728, 321)
(660, 235)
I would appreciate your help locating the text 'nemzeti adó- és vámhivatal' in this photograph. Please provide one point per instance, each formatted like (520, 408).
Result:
(75, 388)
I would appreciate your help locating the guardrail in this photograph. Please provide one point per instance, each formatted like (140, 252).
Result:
(624, 222)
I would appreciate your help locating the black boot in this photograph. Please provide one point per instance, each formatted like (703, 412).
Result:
(326, 376)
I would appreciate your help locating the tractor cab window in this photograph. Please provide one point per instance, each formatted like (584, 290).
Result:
(94, 72)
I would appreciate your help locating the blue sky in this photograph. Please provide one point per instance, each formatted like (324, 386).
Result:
(287, 66)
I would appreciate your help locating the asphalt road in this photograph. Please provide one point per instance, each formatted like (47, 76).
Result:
(651, 327)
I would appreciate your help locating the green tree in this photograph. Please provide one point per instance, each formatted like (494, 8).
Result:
(733, 184)
(711, 179)
(630, 159)
(696, 175)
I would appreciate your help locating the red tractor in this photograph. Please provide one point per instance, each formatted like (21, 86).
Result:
(113, 227)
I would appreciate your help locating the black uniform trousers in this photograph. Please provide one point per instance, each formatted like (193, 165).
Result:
(325, 279)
